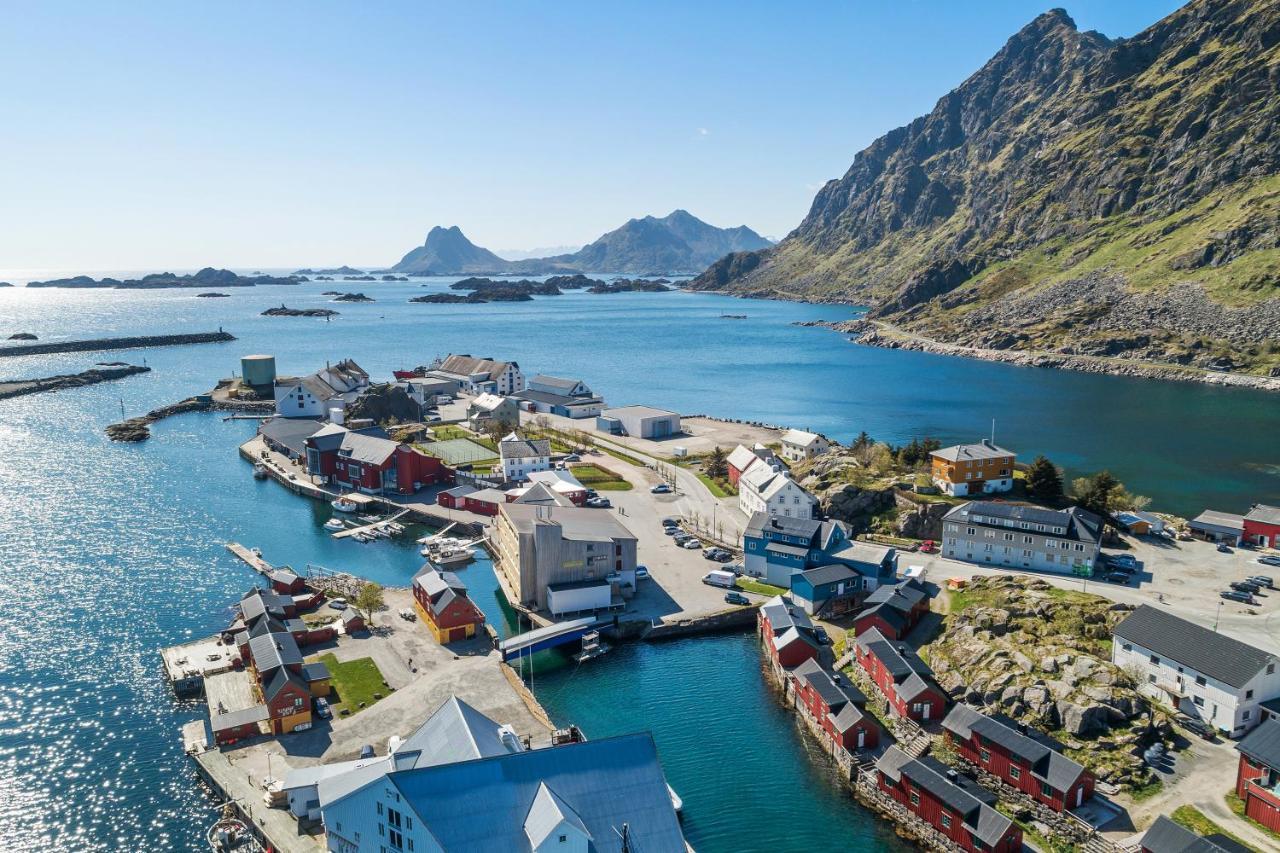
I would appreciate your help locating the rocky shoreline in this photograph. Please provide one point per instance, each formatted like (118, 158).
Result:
(283, 311)
(21, 387)
(877, 334)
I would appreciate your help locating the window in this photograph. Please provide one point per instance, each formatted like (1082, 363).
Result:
(946, 821)
(563, 839)
(915, 798)
(1248, 694)
(1199, 700)
(397, 840)
(1155, 660)
(984, 755)
(1027, 540)
(1008, 537)
(393, 818)
(1201, 680)
(972, 531)
(1015, 772)
(1246, 715)
(1045, 790)
(1128, 647)
(1051, 543)
(1151, 679)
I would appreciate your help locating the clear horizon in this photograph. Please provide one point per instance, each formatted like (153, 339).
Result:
(158, 137)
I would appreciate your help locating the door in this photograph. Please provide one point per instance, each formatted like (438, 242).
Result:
(1079, 796)
(924, 710)
(862, 738)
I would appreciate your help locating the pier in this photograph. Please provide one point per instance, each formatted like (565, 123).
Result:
(251, 557)
(365, 528)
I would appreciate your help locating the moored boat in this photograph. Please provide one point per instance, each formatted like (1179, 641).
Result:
(259, 471)
(334, 524)
(232, 835)
(342, 504)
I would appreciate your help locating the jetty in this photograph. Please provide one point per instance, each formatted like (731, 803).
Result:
(253, 558)
(97, 344)
(20, 387)
(365, 528)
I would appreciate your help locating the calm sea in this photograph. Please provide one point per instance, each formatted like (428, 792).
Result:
(111, 551)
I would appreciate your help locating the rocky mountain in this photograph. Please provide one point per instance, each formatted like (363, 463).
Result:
(1077, 195)
(447, 251)
(676, 243)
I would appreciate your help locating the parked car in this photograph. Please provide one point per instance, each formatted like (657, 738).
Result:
(822, 635)
(323, 711)
(670, 521)
(1269, 561)
(736, 598)
(1224, 548)
(661, 489)
(710, 553)
(691, 544)
(1123, 560)
(1116, 577)
(929, 547)
(592, 493)
(672, 531)
(1263, 580)
(642, 573)
(1196, 727)
(723, 557)
(736, 568)
(1242, 597)
(338, 604)
(366, 751)
(573, 457)
(1245, 586)
(599, 503)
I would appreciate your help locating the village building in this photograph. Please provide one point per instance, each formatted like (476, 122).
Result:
(429, 391)
(552, 395)
(1065, 541)
(427, 793)
(827, 591)
(369, 461)
(742, 457)
(352, 621)
(1214, 526)
(1165, 836)
(904, 678)
(639, 422)
(454, 498)
(762, 489)
(787, 632)
(564, 559)
(484, 501)
(479, 375)
(893, 609)
(956, 807)
(837, 706)
(443, 604)
(521, 457)
(1202, 673)
(778, 547)
(492, 411)
(1261, 526)
(288, 436)
(1258, 774)
(538, 494)
(1140, 523)
(972, 469)
(324, 394)
(1010, 752)
(799, 446)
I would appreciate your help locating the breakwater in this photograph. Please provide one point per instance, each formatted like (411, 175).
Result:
(20, 387)
(96, 344)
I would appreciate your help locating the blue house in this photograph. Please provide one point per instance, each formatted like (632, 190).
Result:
(777, 548)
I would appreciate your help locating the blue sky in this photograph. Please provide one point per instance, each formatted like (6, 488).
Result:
(166, 135)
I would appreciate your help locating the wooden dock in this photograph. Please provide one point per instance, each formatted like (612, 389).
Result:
(249, 556)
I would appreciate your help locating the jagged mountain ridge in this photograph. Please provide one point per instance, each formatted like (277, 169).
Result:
(1076, 193)
(676, 243)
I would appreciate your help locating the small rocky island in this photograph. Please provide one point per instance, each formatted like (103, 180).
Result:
(207, 277)
(343, 270)
(23, 336)
(353, 297)
(284, 311)
(395, 278)
(631, 285)
(213, 295)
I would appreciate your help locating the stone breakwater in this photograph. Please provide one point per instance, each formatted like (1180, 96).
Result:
(871, 333)
(21, 387)
(139, 428)
(116, 343)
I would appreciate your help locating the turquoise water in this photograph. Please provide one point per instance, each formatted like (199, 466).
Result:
(111, 551)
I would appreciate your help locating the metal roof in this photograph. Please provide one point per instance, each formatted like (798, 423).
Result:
(1165, 836)
(278, 681)
(963, 452)
(971, 801)
(1047, 763)
(515, 447)
(1077, 523)
(835, 693)
(639, 411)
(291, 432)
(370, 449)
(898, 658)
(274, 650)
(315, 672)
(1263, 743)
(1264, 514)
(605, 782)
(1219, 519)
(833, 573)
(762, 523)
(783, 614)
(1206, 652)
(575, 522)
(800, 437)
(555, 381)
(232, 719)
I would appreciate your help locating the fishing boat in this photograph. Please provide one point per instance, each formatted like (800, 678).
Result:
(453, 557)
(259, 471)
(342, 504)
(334, 524)
(232, 835)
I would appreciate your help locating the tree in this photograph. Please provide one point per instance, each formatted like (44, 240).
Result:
(369, 599)
(1044, 480)
(1096, 493)
(862, 442)
(717, 465)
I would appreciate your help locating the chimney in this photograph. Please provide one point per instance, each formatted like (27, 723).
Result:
(986, 442)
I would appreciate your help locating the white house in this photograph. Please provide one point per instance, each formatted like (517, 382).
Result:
(1199, 672)
(570, 398)
(480, 375)
(322, 393)
(522, 457)
(490, 409)
(761, 489)
(798, 445)
(1065, 541)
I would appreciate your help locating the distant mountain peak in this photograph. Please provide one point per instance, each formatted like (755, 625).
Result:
(447, 251)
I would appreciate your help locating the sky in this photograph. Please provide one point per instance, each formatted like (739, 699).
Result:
(146, 136)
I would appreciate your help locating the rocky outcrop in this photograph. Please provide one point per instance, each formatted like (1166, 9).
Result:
(629, 285)
(352, 297)
(1076, 195)
(157, 281)
(385, 404)
(500, 290)
(23, 336)
(61, 382)
(919, 520)
(1020, 647)
(213, 295)
(283, 311)
(343, 270)
(844, 490)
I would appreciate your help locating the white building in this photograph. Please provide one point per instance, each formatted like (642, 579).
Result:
(492, 409)
(480, 375)
(522, 457)
(321, 394)
(761, 489)
(798, 445)
(1197, 671)
(640, 422)
(1063, 541)
(552, 395)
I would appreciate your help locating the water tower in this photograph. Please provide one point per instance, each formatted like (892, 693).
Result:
(258, 371)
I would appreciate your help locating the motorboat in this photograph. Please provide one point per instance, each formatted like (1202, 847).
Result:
(232, 835)
(334, 524)
(259, 471)
(342, 504)
(452, 556)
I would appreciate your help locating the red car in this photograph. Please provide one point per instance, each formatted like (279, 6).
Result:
(929, 547)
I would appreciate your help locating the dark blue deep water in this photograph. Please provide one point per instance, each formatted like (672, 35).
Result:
(108, 551)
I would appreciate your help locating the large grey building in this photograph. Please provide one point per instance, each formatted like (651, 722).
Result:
(639, 421)
(563, 559)
(1026, 537)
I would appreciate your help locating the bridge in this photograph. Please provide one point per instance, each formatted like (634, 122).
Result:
(540, 639)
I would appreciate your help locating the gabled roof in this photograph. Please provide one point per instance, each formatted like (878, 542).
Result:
(962, 452)
(766, 482)
(903, 596)
(911, 675)
(1207, 652)
(1263, 514)
(369, 449)
(833, 573)
(1078, 524)
(1165, 836)
(291, 432)
(516, 447)
(836, 690)
(794, 635)
(887, 613)
(800, 437)
(1263, 743)
(969, 800)
(538, 493)
(783, 614)
(558, 382)
(1220, 519)
(328, 437)
(279, 679)
(546, 815)
(741, 458)
(271, 651)
(465, 365)
(1047, 763)
(284, 575)
(866, 554)
(762, 523)
(488, 402)
(261, 602)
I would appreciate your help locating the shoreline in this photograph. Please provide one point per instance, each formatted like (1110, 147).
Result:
(875, 333)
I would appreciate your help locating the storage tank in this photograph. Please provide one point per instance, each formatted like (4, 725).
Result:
(258, 370)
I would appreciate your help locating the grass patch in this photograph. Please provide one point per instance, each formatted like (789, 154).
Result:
(600, 479)
(1147, 791)
(1237, 808)
(354, 681)
(1190, 817)
(720, 490)
(625, 457)
(760, 588)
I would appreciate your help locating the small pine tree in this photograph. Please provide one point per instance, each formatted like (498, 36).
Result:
(717, 464)
(1044, 480)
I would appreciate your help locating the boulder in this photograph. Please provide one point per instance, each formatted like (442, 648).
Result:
(1049, 665)
(1024, 663)
(1083, 720)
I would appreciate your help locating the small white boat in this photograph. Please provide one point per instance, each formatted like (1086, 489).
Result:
(676, 802)
(395, 527)
(259, 471)
(454, 556)
(334, 524)
(343, 505)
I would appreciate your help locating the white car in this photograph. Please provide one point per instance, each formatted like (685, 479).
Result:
(338, 604)
(691, 544)
(660, 489)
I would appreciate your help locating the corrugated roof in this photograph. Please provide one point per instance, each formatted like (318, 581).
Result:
(1264, 514)
(270, 651)
(800, 437)
(1165, 836)
(278, 680)
(1077, 524)
(1207, 652)
(982, 820)
(555, 382)
(232, 719)
(369, 449)
(1219, 519)
(639, 411)
(515, 447)
(833, 573)
(763, 523)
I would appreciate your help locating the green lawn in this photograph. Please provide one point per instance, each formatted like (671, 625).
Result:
(1147, 791)
(601, 479)
(353, 682)
(1195, 820)
(760, 588)
(720, 490)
